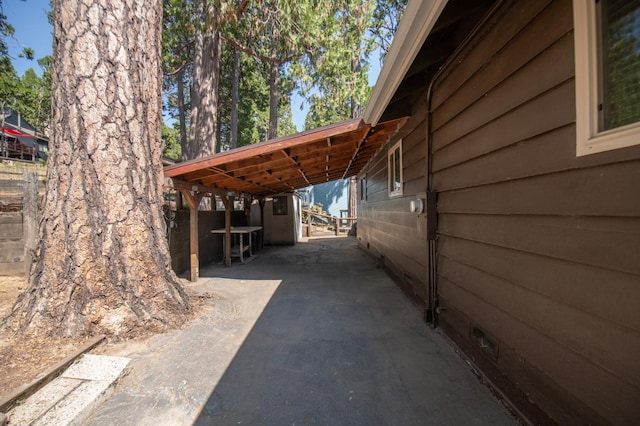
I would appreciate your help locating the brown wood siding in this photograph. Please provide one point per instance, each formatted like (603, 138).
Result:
(537, 248)
(385, 225)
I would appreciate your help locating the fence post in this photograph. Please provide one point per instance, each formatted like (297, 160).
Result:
(29, 216)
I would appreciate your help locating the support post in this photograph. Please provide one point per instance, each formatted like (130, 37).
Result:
(228, 205)
(262, 202)
(247, 209)
(193, 201)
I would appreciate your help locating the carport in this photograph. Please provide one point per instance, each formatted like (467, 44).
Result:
(277, 166)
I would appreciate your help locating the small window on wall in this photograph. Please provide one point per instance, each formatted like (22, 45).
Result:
(363, 189)
(607, 58)
(280, 206)
(395, 169)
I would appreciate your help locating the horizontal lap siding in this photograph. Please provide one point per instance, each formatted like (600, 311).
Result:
(385, 225)
(539, 249)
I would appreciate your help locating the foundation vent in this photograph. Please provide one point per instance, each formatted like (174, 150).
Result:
(484, 342)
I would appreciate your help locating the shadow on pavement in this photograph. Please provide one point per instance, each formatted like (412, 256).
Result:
(339, 343)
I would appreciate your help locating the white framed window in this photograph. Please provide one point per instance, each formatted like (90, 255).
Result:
(395, 169)
(607, 60)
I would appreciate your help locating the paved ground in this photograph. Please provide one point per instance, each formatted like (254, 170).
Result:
(71, 396)
(311, 334)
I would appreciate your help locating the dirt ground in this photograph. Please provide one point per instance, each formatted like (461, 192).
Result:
(22, 360)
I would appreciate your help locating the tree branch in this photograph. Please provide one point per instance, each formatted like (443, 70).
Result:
(177, 70)
(264, 58)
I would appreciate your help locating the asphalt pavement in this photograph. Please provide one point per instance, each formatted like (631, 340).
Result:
(305, 334)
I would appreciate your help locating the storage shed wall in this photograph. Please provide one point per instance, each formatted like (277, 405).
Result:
(538, 250)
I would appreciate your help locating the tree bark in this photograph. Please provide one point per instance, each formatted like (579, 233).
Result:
(273, 101)
(235, 99)
(184, 145)
(102, 264)
(206, 75)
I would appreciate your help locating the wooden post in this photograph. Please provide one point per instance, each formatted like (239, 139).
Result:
(29, 216)
(193, 201)
(228, 205)
(262, 202)
(353, 197)
(336, 224)
(247, 209)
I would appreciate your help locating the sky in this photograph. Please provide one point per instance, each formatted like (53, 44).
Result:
(29, 18)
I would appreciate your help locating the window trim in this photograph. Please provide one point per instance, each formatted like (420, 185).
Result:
(390, 153)
(588, 139)
(363, 188)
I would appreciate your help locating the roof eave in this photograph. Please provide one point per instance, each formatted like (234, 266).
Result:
(417, 22)
(281, 142)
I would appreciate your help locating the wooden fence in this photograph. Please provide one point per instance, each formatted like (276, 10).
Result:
(319, 223)
(19, 207)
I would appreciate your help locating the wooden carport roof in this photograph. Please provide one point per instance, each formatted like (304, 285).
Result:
(288, 163)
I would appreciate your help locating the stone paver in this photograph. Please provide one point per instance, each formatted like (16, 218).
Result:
(73, 394)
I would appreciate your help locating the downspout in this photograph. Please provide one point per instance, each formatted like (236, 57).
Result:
(433, 308)
(431, 314)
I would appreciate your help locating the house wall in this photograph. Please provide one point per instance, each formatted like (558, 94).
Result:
(334, 196)
(538, 250)
(386, 227)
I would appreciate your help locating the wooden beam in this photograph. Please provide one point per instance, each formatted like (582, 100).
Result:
(264, 147)
(363, 138)
(388, 128)
(297, 164)
(193, 201)
(193, 186)
(233, 178)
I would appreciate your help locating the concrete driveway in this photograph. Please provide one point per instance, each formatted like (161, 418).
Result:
(307, 334)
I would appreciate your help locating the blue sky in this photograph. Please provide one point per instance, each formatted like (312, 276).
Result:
(29, 18)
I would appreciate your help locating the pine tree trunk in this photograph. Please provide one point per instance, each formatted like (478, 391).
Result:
(235, 99)
(102, 264)
(206, 74)
(184, 145)
(273, 101)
